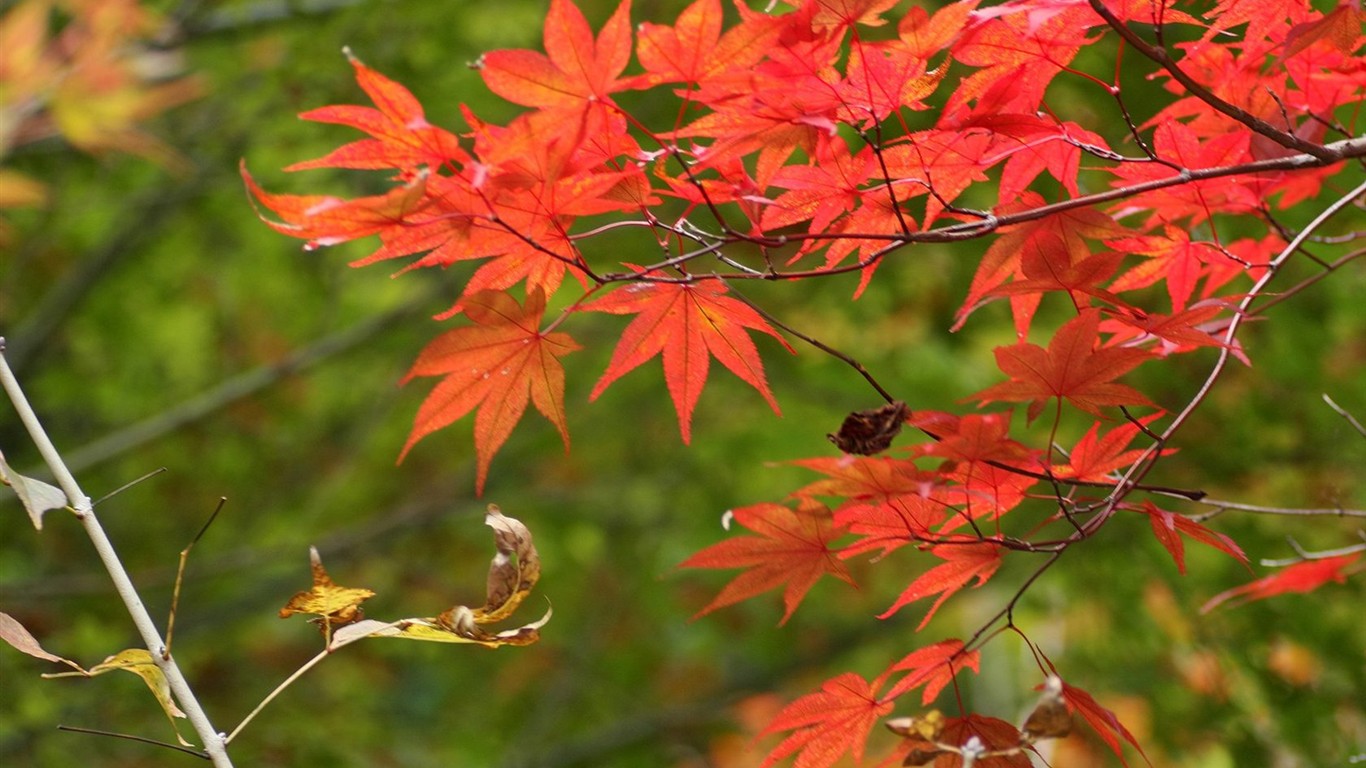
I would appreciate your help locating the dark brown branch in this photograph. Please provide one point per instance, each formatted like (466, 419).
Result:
(1160, 57)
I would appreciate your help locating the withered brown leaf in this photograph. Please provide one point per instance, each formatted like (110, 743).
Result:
(514, 571)
(14, 633)
(1050, 718)
(870, 431)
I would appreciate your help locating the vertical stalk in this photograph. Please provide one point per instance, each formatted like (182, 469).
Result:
(212, 741)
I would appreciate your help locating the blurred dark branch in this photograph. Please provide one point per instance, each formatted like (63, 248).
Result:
(238, 387)
(36, 330)
(195, 21)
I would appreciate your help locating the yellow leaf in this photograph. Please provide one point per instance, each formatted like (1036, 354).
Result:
(334, 605)
(139, 661)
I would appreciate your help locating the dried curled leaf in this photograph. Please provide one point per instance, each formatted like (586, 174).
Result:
(870, 431)
(14, 633)
(334, 606)
(514, 571)
(1051, 719)
(36, 496)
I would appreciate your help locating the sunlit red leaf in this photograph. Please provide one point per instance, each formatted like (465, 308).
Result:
(324, 220)
(497, 365)
(687, 324)
(401, 136)
(789, 549)
(576, 68)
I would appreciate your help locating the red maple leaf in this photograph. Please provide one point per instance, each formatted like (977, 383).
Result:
(324, 220)
(1169, 526)
(575, 71)
(1004, 258)
(891, 523)
(1095, 455)
(1072, 368)
(864, 477)
(934, 667)
(688, 323)
(1102, 721)
(791, 548)
(402, 137)
(830, 722)
(1300, 577)
(963, 563)
(694, 49)
(495, 365)
(1198, 326)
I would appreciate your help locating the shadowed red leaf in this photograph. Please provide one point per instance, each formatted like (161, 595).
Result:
(1169, 526)
(1071, 368)
(963, 563)
(829, 723)
(1102, 721)
(934, 667)
(1300, 577)
(791, 549)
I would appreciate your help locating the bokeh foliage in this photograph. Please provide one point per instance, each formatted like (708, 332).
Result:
(139, 297)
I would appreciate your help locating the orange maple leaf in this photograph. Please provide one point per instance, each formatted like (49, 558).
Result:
(495, 365)
(826, 724)
(792, 548)
(574, 72)
(1072, 368)
(689, 323)
(401, 136)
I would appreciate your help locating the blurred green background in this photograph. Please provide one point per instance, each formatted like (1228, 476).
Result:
(155, 323)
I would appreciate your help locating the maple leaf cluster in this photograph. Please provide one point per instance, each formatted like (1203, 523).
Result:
(824, 140)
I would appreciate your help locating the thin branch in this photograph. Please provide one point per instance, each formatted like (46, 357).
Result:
(232, 390)
(1258, 509)
(822, 346)
(80, 503)
(1302, 555)
(1146, 460)
(1357, 425)
(180, 573)
(199, 753)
